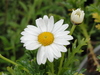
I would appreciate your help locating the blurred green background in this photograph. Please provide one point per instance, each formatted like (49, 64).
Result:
(15, 15)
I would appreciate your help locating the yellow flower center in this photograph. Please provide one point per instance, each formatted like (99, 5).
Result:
(46, 38)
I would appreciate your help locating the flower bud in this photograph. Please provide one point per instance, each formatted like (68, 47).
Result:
(77, 16)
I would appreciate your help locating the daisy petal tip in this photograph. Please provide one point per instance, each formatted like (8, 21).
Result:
(43, 62)
(28, 48)
(51, 17)
(45, 16)
(62, 20)
(38, 63)
(37, 20)
(28, 26)
(64, 50)
(71, 38)
(22, 33)
(67, 24)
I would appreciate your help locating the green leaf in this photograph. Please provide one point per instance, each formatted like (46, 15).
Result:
(98, 68)
(23, 5)
(13, 24)
(1, 73)
(49, 73)
(11, 70)
(6, 43)
(98, 56)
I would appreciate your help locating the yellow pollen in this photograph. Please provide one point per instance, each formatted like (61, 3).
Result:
(46, 38)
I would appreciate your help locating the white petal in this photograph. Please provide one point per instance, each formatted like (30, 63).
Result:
(61, 41)
(62, 28)
(44, 59)
(68, 37)
(24, 33)
(56, 51)
(61, 48)
(40, 56)
(41, 24)
(61, 34)
(64, 37)
(45, 18)
(32, 45)
(49, 53)
(50, 24)
(28, 38)
(32, 30)
(57, 25)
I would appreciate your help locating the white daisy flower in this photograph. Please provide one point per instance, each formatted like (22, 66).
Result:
(48, 37)
(77, 16)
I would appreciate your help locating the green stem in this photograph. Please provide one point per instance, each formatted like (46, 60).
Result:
(61, 63)
(72, 29)
(84, 31)
(52, 68)
(2, 57)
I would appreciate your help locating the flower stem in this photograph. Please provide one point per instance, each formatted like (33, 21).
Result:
(61, 63)
(2, 57)
(72, 29)
(52, 68)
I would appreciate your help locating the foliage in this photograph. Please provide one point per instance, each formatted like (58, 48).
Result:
(15, 15)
